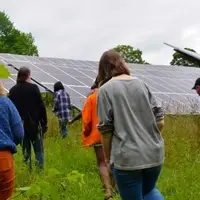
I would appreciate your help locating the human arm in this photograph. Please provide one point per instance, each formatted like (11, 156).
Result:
(105, 125)
(159, 115)
(160, 124)
(106, 141)
(77, 117)
(56, 103)
(69, 108)
(157, 110)
(16, 124)
(42, 109)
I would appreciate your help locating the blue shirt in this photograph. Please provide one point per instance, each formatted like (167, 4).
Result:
(62, 105)
(11, 127)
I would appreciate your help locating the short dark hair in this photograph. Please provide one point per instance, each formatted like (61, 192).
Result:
(111, 64)
(58, 86)
(23, 74)
(197, 83)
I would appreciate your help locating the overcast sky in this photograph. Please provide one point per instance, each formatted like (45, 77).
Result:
(84, 29)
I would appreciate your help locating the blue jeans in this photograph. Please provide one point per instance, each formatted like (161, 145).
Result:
(63, 128)
(37, 144)
(138, 184)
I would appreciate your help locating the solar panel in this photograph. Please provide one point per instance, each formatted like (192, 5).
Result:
(171, 85)
(186, 52)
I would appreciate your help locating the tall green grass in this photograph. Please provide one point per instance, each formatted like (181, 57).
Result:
(180, 179)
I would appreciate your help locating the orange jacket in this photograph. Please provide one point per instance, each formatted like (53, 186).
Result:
(90, 133)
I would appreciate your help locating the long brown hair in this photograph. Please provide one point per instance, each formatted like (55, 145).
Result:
(111, 64)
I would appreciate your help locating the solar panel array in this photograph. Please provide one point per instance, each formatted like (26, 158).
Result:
(77, 76)
(171, 85)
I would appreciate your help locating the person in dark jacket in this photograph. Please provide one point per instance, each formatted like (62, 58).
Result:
(28, 101)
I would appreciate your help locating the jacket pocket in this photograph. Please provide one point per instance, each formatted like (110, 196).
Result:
(6, 163)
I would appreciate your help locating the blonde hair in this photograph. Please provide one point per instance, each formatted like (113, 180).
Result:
(2, 90)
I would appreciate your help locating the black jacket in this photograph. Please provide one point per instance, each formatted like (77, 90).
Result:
(28, 101)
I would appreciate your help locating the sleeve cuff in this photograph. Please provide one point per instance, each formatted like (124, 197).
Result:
(159, 118)
(159, 113)
(105, 129)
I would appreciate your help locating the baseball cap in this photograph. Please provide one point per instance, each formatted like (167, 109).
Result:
(197, 82)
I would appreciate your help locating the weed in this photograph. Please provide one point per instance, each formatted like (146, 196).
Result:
(71, 172)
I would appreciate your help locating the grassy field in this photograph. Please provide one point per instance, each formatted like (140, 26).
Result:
(180, 179)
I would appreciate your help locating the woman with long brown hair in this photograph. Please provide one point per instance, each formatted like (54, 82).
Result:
(130, 121)
(11, 134)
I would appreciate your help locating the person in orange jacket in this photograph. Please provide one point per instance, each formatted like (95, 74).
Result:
(92, 137)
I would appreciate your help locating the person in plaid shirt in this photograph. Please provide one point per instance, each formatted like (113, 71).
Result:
(62, 107)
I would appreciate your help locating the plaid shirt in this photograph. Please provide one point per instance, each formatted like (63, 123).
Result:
(62, 105)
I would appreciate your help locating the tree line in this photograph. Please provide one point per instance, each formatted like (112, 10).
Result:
(18, 42)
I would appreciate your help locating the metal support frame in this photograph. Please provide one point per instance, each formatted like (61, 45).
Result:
(43, 86)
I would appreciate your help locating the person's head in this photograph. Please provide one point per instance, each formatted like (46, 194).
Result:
(111, 64)
(24, 75)
(58, 86)
(197, 86)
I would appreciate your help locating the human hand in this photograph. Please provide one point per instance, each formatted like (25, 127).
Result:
(111, 175)
(70, 122)
(109, 166)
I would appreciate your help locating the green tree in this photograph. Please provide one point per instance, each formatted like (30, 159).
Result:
(13, 40)
(130, 54)
(183, 60)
